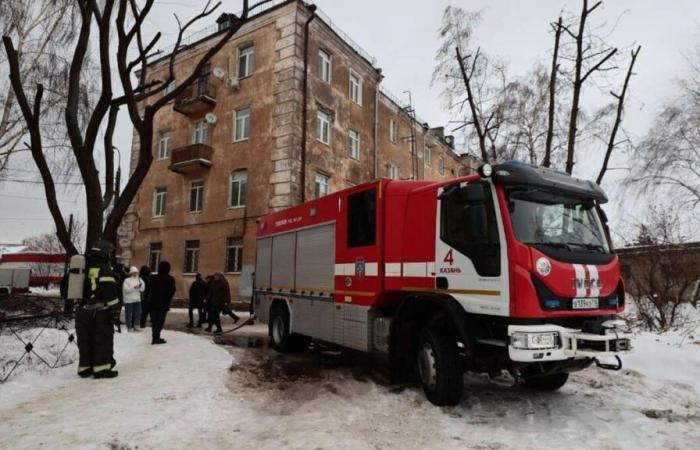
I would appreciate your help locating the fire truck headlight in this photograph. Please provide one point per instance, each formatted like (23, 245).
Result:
(485, 170)
(534, 341)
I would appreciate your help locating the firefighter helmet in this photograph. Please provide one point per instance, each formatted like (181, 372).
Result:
(102, 248)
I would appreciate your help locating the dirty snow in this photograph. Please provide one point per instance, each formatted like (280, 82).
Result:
(192, 392)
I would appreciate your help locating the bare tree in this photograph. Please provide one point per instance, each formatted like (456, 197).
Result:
(667, 160)
(40, 30)
(142, 96)
(547, 160)
(660, 276)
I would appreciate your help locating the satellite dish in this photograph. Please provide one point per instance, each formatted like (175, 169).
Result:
(218, 72)
(210, 118)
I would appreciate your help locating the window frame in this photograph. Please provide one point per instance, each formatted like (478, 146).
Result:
(354, 151)
(195, 260)
(319, 124)
(152, 251)
(159, 192)
(325, 61)
(325, 183)
(238, 253)
(236, 114)
(241, 190)
(361, 210)
(441, 165)
(427, 155)
(353, 74)
(246, 52)
(199, 197)
(393, 131)
(164, 136)
(197, 130)
(393, 171)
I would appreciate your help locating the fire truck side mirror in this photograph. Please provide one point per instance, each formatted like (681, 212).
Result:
(475, 210)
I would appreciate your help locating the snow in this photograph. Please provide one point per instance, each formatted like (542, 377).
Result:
(192, 392)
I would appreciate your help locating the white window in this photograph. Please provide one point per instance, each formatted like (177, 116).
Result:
(441, 165)
(239, 180)
(197, 196)
(323, 126)
(324, 66)
(241, 124)
(393, 130)
(234, 254)
(155, 253)
(164, 145)
(354, 144)
(393, 171)
(246, 61)
(200, 133)
(191, 257)
(160, 196)
(321, 185)
(355, 88)
(428, 155)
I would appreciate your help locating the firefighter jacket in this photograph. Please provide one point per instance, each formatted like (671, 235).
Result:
(101, 290)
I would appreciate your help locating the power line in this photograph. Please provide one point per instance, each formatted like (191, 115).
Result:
(25, 218)
(66, 183)
(23, 197)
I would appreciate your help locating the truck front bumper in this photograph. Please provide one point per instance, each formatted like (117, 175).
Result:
(538, 343)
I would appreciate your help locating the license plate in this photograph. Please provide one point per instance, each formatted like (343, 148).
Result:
(585, 303)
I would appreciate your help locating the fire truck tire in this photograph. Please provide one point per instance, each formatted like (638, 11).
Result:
(439, 368)
(278, 329)
(550, 382)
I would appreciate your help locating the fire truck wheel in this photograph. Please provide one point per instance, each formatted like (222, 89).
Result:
(547, 382)
(280, 337)
(439, 368)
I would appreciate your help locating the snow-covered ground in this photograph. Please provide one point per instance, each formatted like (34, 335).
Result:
(192, 393)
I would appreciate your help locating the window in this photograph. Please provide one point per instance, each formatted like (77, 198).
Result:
(324, 66)
(239, 179)
(241, 126)
(164, 145)
(191, 257)
(155, 252)
(234, 254)
(393, 171)
(457, 232)
(200, 133)
(362, 215)
(393, 131)
(203, 84)
(160, 196)
(323, 126)
(321, 185)
(246, 61)
(354, 144)
(441, 165)
(355, 88)
(428, 155)
(197, 196)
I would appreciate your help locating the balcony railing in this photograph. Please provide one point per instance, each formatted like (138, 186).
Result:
(197, 98)
(191, 159)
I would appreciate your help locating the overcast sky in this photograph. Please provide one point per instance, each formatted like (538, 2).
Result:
(402, 35)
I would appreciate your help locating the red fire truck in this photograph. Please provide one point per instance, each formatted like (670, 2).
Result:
(508, 269)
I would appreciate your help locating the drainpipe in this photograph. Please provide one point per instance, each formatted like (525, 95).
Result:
(304, 101)
(380, 77)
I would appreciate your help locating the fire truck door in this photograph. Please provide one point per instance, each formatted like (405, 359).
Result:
(471, 254)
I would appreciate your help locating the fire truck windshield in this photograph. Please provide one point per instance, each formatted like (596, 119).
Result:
(550, 219)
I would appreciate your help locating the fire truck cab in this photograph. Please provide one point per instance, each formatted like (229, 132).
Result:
(508, 269)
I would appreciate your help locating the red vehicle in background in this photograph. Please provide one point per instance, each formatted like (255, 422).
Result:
(508, 269)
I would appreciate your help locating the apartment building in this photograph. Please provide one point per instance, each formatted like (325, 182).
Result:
(271, 122)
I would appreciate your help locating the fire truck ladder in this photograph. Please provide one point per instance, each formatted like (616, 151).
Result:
(411, 111)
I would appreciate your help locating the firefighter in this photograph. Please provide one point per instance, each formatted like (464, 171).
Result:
(95, 315)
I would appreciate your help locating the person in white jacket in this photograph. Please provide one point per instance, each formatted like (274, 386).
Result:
(132, 288)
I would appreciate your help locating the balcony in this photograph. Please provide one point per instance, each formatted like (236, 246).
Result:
(196, 99)
(191, 159)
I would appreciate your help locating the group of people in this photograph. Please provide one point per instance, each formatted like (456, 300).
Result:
(210, 297)
(144, 294)
(106, 288)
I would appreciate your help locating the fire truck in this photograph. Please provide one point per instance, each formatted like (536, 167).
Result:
(507, 269)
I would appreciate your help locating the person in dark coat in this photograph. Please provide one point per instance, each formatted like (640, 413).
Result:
(145, 275)
(198, 291)
(219, 299)
(160, 290)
